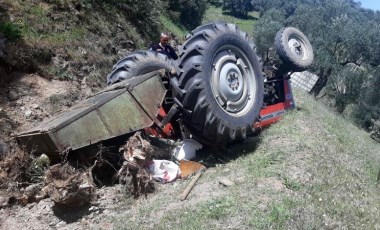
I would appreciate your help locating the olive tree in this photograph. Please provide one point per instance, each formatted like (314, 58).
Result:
(238, 8)
(187, 12)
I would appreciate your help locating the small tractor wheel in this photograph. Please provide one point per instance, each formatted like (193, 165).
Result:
(294, 49)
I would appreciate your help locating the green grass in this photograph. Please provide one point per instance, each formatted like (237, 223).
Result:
(179, 31)
(216, 14)
(311, 170)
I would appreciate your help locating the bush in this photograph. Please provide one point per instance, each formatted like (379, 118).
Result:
(10, 30)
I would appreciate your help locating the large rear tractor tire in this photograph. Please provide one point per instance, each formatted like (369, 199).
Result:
(138, 63)
(294, 49)
(219, 83)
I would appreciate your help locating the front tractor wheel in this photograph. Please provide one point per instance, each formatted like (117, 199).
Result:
(219, 84)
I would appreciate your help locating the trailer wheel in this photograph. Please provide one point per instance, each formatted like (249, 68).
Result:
(138, 63)
(294, 49)
(219, 85)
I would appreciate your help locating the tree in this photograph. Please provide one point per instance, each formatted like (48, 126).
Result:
(238, 8)
(345, 40)
(188, 12)
(265, 31)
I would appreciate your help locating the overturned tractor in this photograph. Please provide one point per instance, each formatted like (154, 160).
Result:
(218, 92)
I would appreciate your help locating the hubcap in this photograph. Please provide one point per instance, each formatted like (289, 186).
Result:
(297, 47)
(232, 81)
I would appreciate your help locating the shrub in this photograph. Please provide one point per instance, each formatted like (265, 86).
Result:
(375, 130)
(10, 30)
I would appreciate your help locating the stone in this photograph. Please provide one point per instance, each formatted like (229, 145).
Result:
(60, 224)
(28, 113)
(13, 95)
(226, 182)
(239, 180)
(3, 147)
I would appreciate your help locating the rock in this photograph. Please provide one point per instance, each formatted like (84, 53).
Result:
(35, 106)
(3, 147)
(226, 170)
(127, 44)
(226, 182)
(28, 113)
(84, 81)
(13, 95)
(93, 208)
(239, 180)
(60, 224)
(32, 190)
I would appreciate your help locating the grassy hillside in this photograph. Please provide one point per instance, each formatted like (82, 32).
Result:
(312, 170)
(216, 14)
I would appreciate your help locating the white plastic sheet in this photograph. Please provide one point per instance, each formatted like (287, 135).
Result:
(164, 171)
(187, 151)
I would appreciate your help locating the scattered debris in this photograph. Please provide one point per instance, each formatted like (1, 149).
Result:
(187, 151)
(137, 153)
(189, 168)
(37, 168)
(164, 171)
(192, 183)
(68, 187)
(31, 194)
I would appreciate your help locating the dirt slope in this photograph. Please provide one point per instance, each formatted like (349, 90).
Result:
(53, 53)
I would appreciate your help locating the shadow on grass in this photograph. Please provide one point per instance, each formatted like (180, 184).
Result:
(71, 214)
(212, 156)
(244, 17)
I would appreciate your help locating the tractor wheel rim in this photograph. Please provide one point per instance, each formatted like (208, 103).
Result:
(232, 80)
(297, 47)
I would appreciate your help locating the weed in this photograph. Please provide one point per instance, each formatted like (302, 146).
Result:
(10, 30)
(279, 214)
(217, 208)
(291, 184)
(58, 101)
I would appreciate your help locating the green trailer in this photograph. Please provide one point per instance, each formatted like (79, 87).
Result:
(119, 109)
